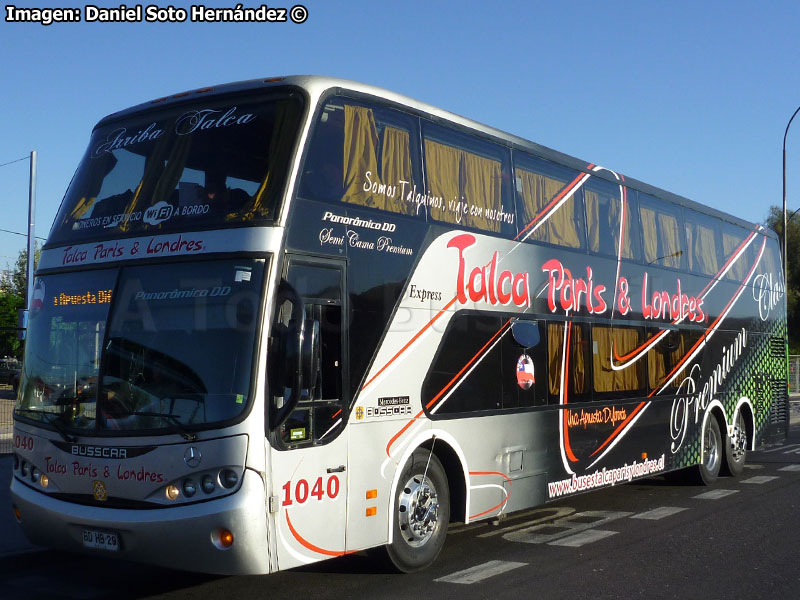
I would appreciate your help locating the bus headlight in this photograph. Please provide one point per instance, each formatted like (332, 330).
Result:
(35, 474)
(189, 488)
(172, 492)
(44, 480)
(228, 478)
(208, 484)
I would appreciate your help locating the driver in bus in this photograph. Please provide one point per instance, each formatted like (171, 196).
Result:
(221, 199)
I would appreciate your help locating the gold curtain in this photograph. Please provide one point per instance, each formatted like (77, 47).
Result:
(702, 249)
(461, 176)
(624, 340)
(730, 243)
(396, 167)
(363, 153)
(660, 360)
(661, 238)
(537, 192)
(577, 357)
(360, 154)
(555, 340)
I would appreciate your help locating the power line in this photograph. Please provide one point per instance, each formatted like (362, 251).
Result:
(22, 234)
(11, 162)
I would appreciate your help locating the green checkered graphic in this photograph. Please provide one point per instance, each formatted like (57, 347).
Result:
(758, 374)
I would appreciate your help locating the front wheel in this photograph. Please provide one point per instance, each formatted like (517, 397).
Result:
(707, 471)
(421, 513)
(736, 448)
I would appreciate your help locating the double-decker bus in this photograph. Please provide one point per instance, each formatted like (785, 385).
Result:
(289, 319)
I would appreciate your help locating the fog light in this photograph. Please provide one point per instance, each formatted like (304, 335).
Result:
(172, 492)
(44, 480)
(17, 513)
(189, 488)
(228, 478)
(222, 539)
(208, 484)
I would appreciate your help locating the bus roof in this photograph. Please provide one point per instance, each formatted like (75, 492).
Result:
(316, 86)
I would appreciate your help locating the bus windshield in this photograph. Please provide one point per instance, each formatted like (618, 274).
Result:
(199, 165)
(154, 347)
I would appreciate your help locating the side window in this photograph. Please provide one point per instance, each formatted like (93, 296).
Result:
(662, 233)
(610, 348)
(540, 186)
(466, 181)
(663, 358)
(575, 365)
(701, 240)
(732, 239)
(364, 155)
(479, 367)
(610, 212)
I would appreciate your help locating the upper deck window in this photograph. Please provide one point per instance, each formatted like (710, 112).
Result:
(662, 235)
(363, 155)
(610, 210)
(465, 178)
(701, 239)
(550, 208)
(192, 166)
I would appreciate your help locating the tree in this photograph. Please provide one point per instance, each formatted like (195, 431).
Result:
(16, 284)
(775, 222)
(13, 292)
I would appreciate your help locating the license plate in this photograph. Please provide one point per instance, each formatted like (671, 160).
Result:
(100, 540)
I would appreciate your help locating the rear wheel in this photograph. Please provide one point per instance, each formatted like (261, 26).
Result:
(707, 471)
(736, 447)
(421, 513)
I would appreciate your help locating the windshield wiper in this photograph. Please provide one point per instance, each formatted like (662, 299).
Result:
(52, 420)
(169, 419)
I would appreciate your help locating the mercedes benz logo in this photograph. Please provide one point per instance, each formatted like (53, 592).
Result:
(192, 457)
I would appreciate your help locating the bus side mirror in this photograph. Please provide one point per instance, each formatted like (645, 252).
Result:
(525, 333)
(287, 361)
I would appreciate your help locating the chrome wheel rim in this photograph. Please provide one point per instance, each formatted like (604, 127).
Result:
(739, 440)
(710, 450)
(418, 511)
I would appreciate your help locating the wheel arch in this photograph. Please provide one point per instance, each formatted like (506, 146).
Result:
(745, 406)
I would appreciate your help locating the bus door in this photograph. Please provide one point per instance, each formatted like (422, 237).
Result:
(309, 450)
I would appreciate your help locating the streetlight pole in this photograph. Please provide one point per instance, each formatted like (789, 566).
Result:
(785, 219)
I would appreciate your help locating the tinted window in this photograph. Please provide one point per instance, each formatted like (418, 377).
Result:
(540, 188)
(480, 367)
(662, 233)
(610, 347)
(576, 367)
(365, 155)
(732, 238)
(701, 240)
(466, 179)
(611, 209)
(194, 165)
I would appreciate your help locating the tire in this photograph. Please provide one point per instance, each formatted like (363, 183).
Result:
(707, 471)
(736, 448)
(421, 513)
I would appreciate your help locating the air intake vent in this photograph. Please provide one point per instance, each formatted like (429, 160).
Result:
(779, 413)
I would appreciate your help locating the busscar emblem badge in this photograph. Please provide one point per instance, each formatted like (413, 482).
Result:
(99, 491)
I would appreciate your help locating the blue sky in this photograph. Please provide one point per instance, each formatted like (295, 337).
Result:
(692, 97)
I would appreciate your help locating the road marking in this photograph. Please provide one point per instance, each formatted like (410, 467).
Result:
(754, 467)
(715, 494)
(481, 572)
(566, 526)
(790, 468)
(760, 479)
(784, 448)
(583, 538)
(659, 513)
(554, 513)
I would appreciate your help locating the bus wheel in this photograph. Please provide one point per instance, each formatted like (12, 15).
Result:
(707, 471)
(421, 513)
(736, 447)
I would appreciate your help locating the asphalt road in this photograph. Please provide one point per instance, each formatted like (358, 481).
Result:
(649, 539)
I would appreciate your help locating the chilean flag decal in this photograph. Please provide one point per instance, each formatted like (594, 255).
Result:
(525, 378)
